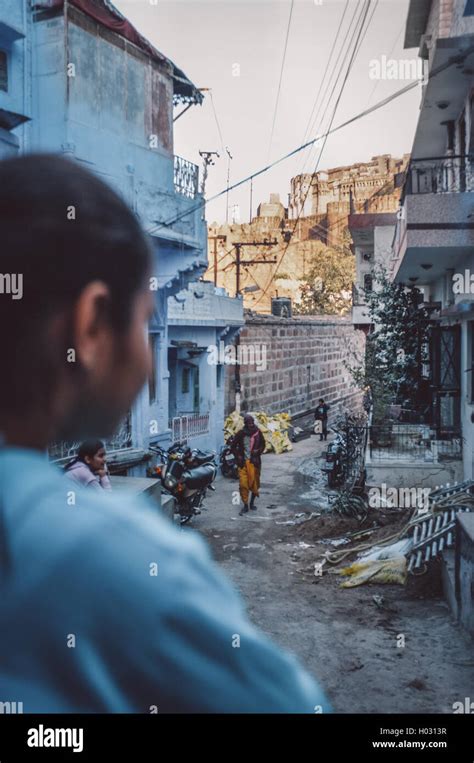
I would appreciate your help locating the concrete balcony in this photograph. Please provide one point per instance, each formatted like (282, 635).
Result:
(436, 225)
(204, 304)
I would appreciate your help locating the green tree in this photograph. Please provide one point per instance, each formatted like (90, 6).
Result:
(396, 348)
(328, 286)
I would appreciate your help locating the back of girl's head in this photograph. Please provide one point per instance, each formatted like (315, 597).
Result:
(61, 228)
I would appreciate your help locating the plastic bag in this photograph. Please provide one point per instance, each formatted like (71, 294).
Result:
(381, 571)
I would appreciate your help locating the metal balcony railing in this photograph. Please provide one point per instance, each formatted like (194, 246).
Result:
(184, 427)
(448, 174)
(391, 441)
(186, 177)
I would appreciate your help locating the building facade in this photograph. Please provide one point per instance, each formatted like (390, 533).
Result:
(372, 236)
(434, 238)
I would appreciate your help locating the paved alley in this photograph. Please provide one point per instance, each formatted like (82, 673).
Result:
(346, 640)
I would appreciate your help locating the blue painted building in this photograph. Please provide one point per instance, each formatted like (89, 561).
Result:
(82, 81)
(15, 76)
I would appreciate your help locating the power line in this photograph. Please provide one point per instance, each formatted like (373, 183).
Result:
(281, 77)
(341, 91)
(307, 130)
(368, 24)
(342, 51)
(217, 121)
(391, 51)
(456, 59)
(282, 248)
(358, 43)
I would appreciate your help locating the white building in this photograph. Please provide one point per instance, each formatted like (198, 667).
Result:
(372, 236)
(434, 239)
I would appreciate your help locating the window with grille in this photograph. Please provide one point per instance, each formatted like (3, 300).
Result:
(3, 71)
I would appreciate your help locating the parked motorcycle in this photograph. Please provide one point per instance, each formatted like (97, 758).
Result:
(345, 455)
(227, 460)
(186, 474)
(335, 461)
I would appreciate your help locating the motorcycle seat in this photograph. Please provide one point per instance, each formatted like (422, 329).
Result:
(203, 458)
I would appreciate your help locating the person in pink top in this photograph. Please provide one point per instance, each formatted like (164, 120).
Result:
(89, 467)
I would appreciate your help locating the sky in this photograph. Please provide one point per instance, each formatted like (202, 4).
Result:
(236, 48)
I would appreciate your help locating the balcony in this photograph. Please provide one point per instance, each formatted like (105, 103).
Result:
(436, 224)
(186, 177)
(454, 174)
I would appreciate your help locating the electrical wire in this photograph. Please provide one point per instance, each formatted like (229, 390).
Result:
(275, 253)
(280, 81)
(356, 51)
(217, 122)
(456, 59)
(391, 51)
(307, 130)
(342, 52)
(341, 91)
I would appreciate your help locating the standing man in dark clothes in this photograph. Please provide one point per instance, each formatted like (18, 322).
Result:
(322, 416)
(248, 446)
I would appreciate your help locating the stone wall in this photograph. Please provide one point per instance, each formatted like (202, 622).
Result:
(304, 361)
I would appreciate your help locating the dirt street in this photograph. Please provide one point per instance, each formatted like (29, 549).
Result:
(346, 639)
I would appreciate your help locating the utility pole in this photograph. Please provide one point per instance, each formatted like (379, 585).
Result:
(215, 239)
(238, 264)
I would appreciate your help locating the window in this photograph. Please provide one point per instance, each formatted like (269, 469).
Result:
(219, 368)
(469, 9)
(3, 71)
(368, 282)
(185, 380)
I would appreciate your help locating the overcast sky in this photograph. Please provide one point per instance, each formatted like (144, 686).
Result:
(207, 39)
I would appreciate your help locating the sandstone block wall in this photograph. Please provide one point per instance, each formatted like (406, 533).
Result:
(304, 361)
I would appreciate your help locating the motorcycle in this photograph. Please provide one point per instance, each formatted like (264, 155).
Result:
(335, 461)
(343, 453)
(186, 474)
(227, 460)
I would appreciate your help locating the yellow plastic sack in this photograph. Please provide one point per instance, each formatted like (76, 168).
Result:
(380, 571)
(274, 429)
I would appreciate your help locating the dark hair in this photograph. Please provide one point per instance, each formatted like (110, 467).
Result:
(321, 400)
(61, 228)
(86, 448)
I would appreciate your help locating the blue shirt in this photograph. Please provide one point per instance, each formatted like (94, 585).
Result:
(106, 607)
